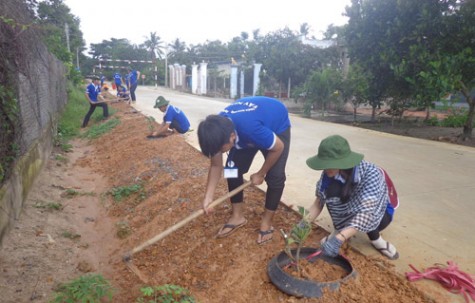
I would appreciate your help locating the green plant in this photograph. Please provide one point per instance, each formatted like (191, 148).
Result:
(98, 130)
(125, 191)
(70, 235)
(49, 205)
(432, 121)
(123, 229)
(69, 193)
(151, 123)
(61, 158)
(297, 236)
(90, 288)
(456, 119)
(66, 147)
(167, 293)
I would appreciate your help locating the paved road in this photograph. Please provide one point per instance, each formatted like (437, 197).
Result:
(435, 182)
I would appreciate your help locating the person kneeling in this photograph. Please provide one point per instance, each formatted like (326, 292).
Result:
(174, 119)
(355, 193)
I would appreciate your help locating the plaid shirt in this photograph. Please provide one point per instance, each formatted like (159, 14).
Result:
(367, 203)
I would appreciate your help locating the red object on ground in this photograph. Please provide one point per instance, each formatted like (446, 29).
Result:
(451, 278)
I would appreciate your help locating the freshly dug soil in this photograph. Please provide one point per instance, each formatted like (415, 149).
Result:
(170, 178)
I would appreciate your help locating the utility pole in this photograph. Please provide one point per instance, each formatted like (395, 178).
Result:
(77, 58)
(66, 30)
(166, 68)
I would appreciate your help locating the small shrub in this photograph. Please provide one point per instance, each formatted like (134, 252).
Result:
(125, 191)
(92, 288)
(151, 123)
(49, 205)
(123, 229)
(454, 120)
(297, 237)
(70, 235)
(70, 193)
(432, 121)
(61, 158)
(66, 147)
(167, 293)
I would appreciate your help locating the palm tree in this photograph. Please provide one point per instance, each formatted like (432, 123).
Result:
(304, 29)
(154, 46)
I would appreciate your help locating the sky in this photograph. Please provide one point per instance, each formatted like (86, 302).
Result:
(196, 21)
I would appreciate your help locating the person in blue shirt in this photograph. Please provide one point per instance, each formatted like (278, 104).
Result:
(356, 195)
(117, 80)
(93, 91)
(242, 129)
(174, 118)
(133, 78)
(103, 78)
(127, 80)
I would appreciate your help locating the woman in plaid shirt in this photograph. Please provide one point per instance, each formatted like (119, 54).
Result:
(355, 193)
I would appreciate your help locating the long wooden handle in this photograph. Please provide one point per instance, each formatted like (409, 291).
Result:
(183, 222)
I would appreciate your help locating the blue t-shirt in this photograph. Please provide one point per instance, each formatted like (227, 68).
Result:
(117, 78)
(257, 121)
(93, 91)
(174, 113)
(127, 79)
(133, 77)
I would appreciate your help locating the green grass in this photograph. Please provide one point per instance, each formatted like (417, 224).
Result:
(48, 205)
(91, 288)
(98, 130)
(121, 192)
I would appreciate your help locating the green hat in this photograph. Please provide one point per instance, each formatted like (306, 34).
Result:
(334, 153)
(161, 101)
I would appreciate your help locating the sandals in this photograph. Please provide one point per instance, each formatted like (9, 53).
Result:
(263, 233)
(387, 251)
(232, 227)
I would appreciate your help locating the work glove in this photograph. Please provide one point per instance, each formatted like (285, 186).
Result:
(331, 247)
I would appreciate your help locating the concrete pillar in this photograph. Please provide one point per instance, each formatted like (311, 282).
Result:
(255, 78)
(194, 78)
(183, 77)
(233, 81)
(241, 82)
(177, 69)
(172, 76)
(203, 77)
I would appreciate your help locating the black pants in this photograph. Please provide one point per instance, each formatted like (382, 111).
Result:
(275, 177)
(133, 87)
(175, 125)
(374, 234)
(92, 108)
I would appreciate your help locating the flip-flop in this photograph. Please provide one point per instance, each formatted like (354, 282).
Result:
(387, 252)
(264, 233)
(232, 227)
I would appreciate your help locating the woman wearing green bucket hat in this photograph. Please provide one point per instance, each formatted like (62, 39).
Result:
(355, 193)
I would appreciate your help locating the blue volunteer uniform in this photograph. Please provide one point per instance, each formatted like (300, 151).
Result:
(133, 75)
(117, 79)
(258, 121)
(93, 92)
(177, 119)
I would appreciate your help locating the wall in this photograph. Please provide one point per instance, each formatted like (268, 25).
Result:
(41, 97)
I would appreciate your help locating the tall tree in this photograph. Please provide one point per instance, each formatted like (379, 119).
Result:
(154, 45)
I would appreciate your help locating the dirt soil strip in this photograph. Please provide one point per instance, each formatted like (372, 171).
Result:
(48, 247)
